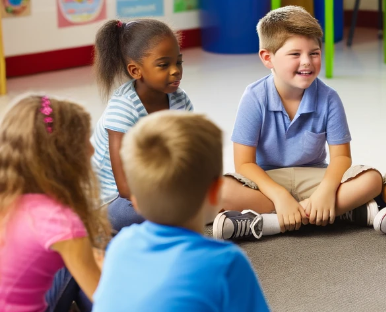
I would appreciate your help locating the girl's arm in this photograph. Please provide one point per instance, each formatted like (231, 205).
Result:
(115, 142)
(99, 256)
(78, 257)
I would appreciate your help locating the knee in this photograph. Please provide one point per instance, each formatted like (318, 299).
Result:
(372, 180)
(227, 193)
(122, 213)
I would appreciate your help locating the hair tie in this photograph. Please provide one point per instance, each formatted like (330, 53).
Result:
(46, 110)
(119, 24)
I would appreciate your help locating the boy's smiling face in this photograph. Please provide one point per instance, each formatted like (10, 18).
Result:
(296, 64)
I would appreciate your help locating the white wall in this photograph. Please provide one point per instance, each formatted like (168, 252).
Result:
(371, 5)
(39, 32)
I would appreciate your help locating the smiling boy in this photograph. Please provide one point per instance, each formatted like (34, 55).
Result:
(283, 123)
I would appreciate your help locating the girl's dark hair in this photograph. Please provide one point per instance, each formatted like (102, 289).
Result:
(117, 43)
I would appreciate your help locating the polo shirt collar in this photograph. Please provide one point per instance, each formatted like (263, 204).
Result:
(307, 104)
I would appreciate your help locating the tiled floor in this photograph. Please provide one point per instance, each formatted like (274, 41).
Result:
(216, 82)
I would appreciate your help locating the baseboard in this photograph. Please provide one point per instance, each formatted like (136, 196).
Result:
(368, 19)
(29, 64)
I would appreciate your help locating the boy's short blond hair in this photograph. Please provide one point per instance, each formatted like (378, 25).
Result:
(170, 159)
(279, 25)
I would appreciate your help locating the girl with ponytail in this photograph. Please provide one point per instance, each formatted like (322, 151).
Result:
(143, 57)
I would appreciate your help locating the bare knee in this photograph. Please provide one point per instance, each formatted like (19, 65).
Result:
(228, 199)
(372, 182)
(237, 197)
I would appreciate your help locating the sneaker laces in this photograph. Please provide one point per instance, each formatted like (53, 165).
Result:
(243, 228)
(347, 216)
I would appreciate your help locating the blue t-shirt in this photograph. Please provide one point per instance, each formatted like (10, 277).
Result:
(153, 268)
(123, 112)
(263, 122)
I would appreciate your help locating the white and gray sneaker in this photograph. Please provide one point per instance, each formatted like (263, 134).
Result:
(380, 221)
(363, 215)
(247, 224)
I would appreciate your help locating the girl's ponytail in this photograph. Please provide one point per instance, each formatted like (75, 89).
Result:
(109, 62)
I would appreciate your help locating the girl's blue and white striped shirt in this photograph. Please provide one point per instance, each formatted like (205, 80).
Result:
(123, 111)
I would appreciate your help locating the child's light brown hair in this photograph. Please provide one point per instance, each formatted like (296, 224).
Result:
(279, 25)
(170, 159)
(33, 160)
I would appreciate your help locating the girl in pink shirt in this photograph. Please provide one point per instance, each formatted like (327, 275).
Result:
(49, 215)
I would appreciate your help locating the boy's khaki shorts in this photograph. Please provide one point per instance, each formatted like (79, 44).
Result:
(301, 182)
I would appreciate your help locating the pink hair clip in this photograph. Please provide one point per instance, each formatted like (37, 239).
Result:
(119, 24)
(47, 110)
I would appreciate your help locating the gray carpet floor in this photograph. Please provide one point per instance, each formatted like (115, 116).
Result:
(335, 268)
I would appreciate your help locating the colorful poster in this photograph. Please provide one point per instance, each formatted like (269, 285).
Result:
(140, 8)
(80, 12)
(185, 5)
(14, 8)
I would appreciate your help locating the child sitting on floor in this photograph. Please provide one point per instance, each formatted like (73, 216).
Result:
(49, 215)
(173, 165)
(283, 123)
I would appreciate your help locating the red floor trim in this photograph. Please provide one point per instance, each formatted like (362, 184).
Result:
(367, 19)
(47, 61)
(29, 64)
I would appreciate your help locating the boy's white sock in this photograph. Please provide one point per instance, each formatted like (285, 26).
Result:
(271, 224)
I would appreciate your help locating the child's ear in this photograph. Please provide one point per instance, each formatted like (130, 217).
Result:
(265, 57)
(214, 193)
(134, 70)
(134, 202)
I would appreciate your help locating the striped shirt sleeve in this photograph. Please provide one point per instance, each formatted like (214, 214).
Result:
(188, 103)
(120, 114)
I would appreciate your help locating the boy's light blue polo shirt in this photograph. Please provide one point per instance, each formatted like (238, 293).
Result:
(263, 122)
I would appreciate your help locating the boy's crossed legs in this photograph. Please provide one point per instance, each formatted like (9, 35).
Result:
(360, 184)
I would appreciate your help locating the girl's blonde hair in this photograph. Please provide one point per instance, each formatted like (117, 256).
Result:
(56, 163)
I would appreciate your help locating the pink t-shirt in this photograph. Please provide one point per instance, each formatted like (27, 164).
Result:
(27, 264)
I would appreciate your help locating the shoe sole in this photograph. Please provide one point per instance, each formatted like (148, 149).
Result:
(218, 225)
(372, 211)
(379, 219)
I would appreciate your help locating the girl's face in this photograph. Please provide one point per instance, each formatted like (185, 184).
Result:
(161, 68)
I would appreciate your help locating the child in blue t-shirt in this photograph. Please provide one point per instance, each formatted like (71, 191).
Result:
(283, 123)
(166, 264)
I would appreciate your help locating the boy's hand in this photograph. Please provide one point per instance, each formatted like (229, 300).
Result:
(320, 208)
(290, 213)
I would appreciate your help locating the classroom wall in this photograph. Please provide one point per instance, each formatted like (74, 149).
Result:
(34, 43)
(39, 32)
